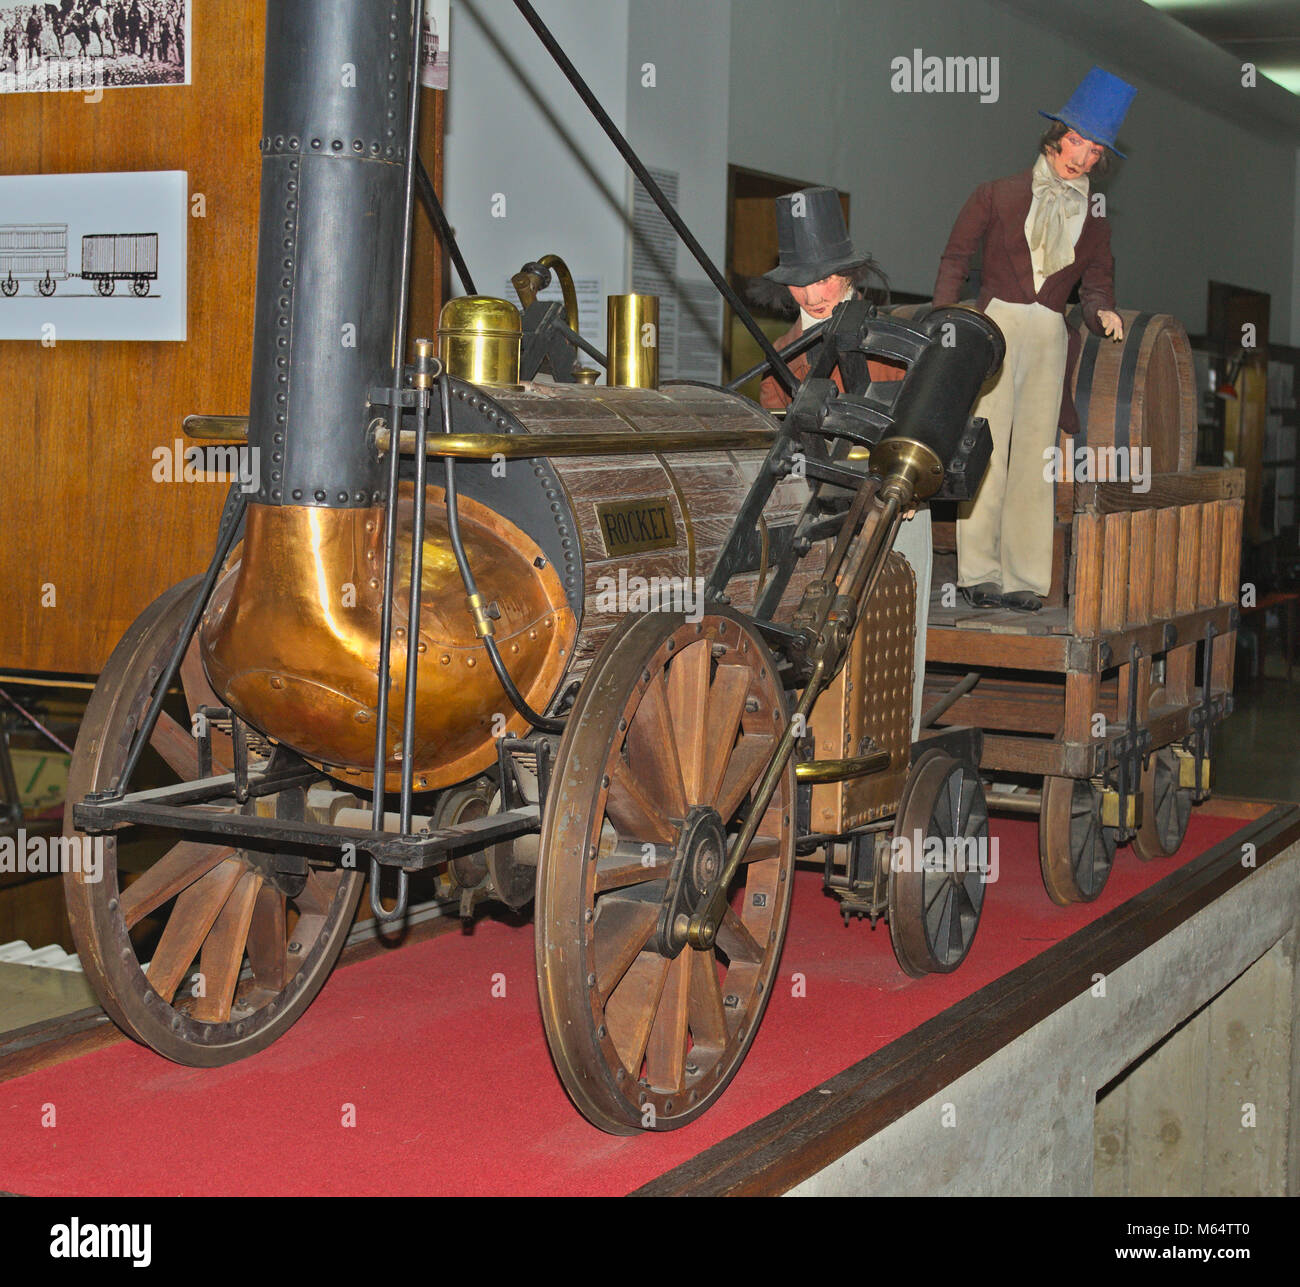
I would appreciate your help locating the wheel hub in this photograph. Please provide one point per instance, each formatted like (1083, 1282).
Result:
(697, 867)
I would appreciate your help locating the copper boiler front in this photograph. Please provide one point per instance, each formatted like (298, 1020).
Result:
(290, 638)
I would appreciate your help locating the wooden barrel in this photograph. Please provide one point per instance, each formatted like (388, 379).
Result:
(1140, 392)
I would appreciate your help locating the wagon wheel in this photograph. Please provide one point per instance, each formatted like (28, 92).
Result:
(9, 287)
(1075, 849)
(191, 911)
(1166, 808)
(671, 729)
(935, 901)
(45, 286)
(140, 287)
(105, 286)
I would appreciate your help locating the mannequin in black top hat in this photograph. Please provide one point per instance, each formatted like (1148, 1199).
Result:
(819, 268)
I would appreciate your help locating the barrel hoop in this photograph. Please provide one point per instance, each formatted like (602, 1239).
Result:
(1127, 379)
(1083, 385)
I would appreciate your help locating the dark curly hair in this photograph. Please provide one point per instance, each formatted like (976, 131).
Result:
(1051, 142)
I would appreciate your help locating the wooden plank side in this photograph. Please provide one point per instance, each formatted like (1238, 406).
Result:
(1187, 579)
(1208, 579)
(1141, 566)
(1114, 584)
(1164, 573)
(1086, 606)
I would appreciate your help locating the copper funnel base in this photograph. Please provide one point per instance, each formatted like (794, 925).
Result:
(290, 638)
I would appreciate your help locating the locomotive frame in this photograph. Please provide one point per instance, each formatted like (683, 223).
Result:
(656, 807)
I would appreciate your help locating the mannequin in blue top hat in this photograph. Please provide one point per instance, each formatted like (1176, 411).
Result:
(1041, 235)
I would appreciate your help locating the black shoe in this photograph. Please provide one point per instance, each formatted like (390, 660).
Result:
(984, 595)
(1022, 601)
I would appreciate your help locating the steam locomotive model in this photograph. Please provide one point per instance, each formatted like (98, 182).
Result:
(418, 643)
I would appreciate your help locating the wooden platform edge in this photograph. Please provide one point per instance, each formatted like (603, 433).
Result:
(793, 1143)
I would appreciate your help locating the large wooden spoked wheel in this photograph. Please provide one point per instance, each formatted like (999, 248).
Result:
(1075, 849)
(191, 912)
(671, 730)
(1166, 808)
(939, 865)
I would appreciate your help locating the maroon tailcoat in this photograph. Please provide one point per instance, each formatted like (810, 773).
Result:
(995, 216)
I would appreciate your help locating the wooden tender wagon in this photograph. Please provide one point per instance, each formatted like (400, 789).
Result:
(1110, 695)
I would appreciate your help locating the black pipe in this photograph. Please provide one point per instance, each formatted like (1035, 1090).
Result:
(950, 698)
(231, 518)
(779, 368)
(792, 350)
(517, 699)
(401, 318)
(440, 225)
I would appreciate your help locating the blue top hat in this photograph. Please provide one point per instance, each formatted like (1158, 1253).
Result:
(1097, 108)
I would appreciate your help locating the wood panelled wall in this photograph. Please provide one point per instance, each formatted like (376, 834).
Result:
(79, 422)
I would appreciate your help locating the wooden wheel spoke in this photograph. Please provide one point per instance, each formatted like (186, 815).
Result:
(652, 751)
(319, 891)
(622, 927)
(748, 760)
(665, 1056)
(223, 951)
(192, 917)
(178, 868)
(688, 698)
(708, 1014)
(726, 706)
(627, 866)
(268, 940)
(177, 747)
(632, 812)
(630, 1011)
(735, 939)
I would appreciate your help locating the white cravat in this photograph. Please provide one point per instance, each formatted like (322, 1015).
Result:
(1076, 212)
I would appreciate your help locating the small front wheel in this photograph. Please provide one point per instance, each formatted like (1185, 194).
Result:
(140, 286)
(939, 865)
(105, 286)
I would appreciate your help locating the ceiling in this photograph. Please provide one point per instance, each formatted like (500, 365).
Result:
(1263, 32)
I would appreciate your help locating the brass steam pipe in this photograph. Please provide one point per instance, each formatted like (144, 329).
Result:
(508, 446)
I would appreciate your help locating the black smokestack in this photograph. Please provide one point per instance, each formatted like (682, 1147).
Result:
(333, 152)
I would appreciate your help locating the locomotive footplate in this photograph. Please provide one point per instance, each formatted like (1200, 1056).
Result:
(415, 852)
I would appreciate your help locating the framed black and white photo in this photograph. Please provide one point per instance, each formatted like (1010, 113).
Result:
(86, 46)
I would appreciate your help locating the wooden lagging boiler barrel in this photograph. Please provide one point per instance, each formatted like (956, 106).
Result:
(645, 516)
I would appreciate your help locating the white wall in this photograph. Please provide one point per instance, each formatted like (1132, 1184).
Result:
(681, 123)
(516, 127)
(810, 99)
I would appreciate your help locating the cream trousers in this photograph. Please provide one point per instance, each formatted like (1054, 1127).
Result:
(1005, 534)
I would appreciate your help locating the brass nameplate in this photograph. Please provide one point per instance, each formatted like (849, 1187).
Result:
(630, 527)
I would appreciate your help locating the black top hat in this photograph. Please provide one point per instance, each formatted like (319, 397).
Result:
(811, 238)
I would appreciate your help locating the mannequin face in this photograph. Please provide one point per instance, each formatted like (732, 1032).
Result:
(1075, 155)
(819, 299)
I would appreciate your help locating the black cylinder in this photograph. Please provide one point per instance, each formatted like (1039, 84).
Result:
(329, 244)
(935, 402)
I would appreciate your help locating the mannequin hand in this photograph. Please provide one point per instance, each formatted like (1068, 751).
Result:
(1112, 322)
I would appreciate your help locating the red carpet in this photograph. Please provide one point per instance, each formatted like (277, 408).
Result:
(453, 1090)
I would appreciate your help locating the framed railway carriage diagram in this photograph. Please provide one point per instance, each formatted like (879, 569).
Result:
(472, 705)
(94, 256)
